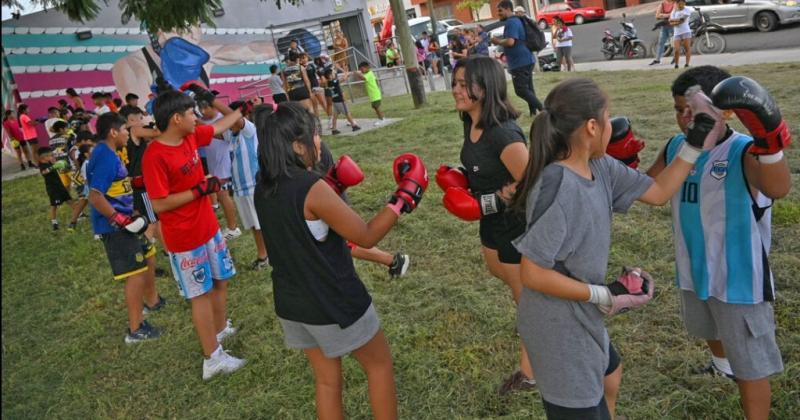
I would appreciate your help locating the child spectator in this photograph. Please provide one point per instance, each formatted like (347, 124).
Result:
(129, 253)
(56, 192)
(14, 133)
(179, 191)
(339, 106)
(276, 83)
(373, 91)
(30, 137)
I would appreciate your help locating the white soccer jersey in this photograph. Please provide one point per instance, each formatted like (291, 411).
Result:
(244, 152)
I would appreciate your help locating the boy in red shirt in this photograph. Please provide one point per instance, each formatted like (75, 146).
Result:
(178, 190)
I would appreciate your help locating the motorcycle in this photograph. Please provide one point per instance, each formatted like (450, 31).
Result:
(626, 43)
(705, 39)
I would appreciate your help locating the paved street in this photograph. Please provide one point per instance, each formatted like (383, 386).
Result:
(588, 37)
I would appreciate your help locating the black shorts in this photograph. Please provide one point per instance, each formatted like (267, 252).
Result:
(328, 93)
(58, 196)
(598, 412)
(280, 97)
(498, 230)
(299, 94)
(127, 253)
(142, 205)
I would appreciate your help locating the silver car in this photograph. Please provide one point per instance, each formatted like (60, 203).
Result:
(764, 15)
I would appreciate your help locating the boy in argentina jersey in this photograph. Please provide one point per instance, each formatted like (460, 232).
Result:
(721, 223)
(129, 253)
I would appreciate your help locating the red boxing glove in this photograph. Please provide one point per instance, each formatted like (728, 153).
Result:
(460, 203)
(623, 145)
(197, 91)
(137, 182)
(207, 186)
(757, 110)
(343, 174)
(136, 224)
(412, 181)
(447, 176)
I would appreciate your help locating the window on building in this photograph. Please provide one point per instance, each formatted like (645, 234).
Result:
(444, 11)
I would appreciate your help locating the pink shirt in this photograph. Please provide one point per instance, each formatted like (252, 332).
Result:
(28, 127)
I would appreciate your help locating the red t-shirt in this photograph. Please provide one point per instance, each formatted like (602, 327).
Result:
(173, 169)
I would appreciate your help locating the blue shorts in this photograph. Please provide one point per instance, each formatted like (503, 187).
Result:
(196, 270)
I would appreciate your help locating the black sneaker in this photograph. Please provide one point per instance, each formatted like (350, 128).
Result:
(712, 370)
(146, 310)
(260, 264)
(400, 264)
(31, 165)
(22, 167)
(517, 382)
(335, 132)
(654, 62)
(356, 128)
(676, 66)
(71, 227)
(145, 332)
(55, 226)
(686, 65)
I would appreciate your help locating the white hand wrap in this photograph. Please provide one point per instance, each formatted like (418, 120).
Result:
(770, 159)
(600, 296)
(689, 154)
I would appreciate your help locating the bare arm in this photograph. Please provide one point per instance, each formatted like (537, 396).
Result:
(227, 121)
(515, 159)
(658, 165)
(503, 42)
(99, 202)
(325, 204)
(667, 183)
(773, 180)
(172, 201)
(552, 283)
(145, 133)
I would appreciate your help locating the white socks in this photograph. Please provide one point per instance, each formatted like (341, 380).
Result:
(217, 353)
(722, 364)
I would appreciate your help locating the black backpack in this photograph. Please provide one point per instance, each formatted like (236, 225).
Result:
(534, 37)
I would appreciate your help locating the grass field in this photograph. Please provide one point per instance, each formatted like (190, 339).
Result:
(449, 323)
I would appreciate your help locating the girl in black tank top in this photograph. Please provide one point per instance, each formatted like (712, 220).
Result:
(314, 282)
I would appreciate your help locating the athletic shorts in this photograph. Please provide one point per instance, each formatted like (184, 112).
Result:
(565, 52)
(127, 252)
(58, 196)
(279, 97)
(598, 412)
(142, 204)
(247, 211)
(328, 93)
(498, 230)
(747, 333)
(339, 108)
(299, 94)
(195, 271)
(66, 179)
(333, 340)
(376, 104)
(318, 90)
(687, 35)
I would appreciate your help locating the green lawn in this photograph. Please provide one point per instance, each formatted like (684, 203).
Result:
(449, 323)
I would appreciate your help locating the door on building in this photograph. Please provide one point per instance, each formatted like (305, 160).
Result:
(351, 27)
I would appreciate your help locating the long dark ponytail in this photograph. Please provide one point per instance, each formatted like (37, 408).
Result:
(277, 129)
(567, 107)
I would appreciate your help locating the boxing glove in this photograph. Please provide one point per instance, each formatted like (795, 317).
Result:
(137, 182)
(632, 289)
(447, 176)
(412, 181)
(460, 203)
(343, 174)
(623, 145)
(757, 110)
(196, 91)
(209, 185)
(60, 165)
(137, 224)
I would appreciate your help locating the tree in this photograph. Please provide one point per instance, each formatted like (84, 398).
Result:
(473, 5)
(409, 52)
(157, 15)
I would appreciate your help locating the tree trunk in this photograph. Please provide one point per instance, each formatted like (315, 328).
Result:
(409, 52)
(434, 34)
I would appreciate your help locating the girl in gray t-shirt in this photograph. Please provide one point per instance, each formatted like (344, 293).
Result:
(569, 192)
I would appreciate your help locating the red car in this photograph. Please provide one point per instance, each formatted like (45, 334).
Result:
(570, 12)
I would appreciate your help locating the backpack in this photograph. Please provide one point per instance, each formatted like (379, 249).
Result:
(534, 37)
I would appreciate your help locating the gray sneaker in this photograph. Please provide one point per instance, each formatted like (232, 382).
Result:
(144, 333)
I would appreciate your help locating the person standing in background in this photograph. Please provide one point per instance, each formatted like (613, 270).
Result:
(662, 16)
(340, 46)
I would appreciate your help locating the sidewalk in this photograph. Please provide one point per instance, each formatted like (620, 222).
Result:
(786, 55)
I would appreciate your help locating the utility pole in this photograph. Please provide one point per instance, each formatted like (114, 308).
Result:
(409, 52)
(434, 32)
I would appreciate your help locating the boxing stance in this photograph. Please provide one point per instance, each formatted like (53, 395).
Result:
(724, 209)
(568, 194)
(494, 155)
(341, 175)
(322, 305)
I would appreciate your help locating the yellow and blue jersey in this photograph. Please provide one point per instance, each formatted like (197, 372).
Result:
(106, 174)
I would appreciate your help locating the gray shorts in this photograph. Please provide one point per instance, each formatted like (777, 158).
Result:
(333, 340)
(687, 35)
(340, 108)
(747, 333)
(565, 52)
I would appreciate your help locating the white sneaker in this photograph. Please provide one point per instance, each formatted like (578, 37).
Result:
(231, 233)
(223, 363)
(379, 123)
(226, 332)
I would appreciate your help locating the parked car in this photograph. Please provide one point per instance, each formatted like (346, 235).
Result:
(764, 15)
(546, 55)
(570, 12)
(423, 24)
